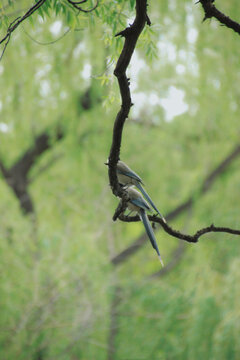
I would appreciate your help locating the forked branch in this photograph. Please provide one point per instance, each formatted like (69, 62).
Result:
(131, 35)
(177, 234)
(208, 182)
(76, 5)
(210, 11)
(13, 26)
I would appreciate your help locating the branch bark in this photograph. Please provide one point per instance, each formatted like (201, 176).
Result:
(131, 35)
(76, 4)
(177, 234)
(211, 11)
(41, 144)
(16, 22)
(17, 177)
(206, 186)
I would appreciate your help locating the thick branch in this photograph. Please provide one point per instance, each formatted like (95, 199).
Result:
(211, 11)
(131, 35)
(3, 169)
(27, 160)
(220, 169)
(45, 167)
(17, 176)
(207, 184)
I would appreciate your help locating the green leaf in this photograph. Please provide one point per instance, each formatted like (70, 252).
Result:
(71, 19)
(31, 21)
(132, 3)
(41, 13)
(45, 8)
(58, 8)
(4, 21)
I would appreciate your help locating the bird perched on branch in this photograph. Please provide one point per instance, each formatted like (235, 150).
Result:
(127, 177)
(138, 203)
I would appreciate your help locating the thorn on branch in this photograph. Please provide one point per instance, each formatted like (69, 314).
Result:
(148, 21)
(205, 18)
(211, 11)
(124, 33)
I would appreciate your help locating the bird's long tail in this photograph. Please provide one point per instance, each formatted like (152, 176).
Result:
(150, 232)
(145, 194)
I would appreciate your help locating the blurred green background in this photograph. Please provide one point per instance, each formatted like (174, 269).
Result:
(61, 295)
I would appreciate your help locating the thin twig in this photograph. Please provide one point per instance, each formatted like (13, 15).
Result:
(17, 22)
(177, 234)
(7, 38)
(76, 4)
(5, 46)
(47, 43)
(206, 186)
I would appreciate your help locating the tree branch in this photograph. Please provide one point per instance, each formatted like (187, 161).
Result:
(131, 35)
(27, 160)
(17, 176)
(177, 234)
(76, 4)
(45, 167)
(17, 22)
(211, 11)
(35, 7)
(47, 43)
(207, 184)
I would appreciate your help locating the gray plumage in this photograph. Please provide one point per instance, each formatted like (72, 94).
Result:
(138, 203)
(128, 177)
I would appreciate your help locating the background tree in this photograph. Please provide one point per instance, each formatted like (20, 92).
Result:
(63, 293)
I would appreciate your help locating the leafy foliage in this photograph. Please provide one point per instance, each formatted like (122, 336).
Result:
(57, 280)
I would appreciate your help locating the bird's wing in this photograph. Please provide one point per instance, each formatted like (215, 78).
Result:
(150, 232)
(145, 194)
(131, 174)
(140, 203)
